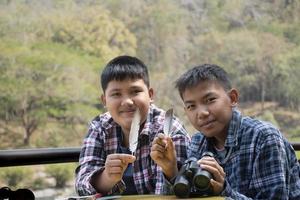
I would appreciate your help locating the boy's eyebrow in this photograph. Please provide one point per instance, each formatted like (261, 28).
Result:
(189, 101)
(208, 94)
(114, 90)
(135, 87)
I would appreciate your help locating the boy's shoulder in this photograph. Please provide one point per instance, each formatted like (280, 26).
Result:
(156, 111)
(102, 121)
(258, 130)
(258, 125)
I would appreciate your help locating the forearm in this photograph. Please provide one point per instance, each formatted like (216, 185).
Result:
(102, 183)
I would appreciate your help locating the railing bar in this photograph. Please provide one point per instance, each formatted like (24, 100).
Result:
(38, 156)
(19, 157)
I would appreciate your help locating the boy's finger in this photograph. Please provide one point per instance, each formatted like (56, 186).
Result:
(160, 140)
(156, 155)
(170, 144)
(112, 163)
(159, 148)
(161, 136)
(127, 158)
(115, 156)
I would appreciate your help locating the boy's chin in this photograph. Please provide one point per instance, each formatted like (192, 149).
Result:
(208, 134)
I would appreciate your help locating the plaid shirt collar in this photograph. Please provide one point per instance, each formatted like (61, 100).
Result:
(234, 126)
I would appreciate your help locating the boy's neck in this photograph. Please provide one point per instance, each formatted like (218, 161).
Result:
(125, 141)
(219, 143)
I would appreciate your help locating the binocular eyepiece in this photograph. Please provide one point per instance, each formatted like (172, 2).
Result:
(191, 179)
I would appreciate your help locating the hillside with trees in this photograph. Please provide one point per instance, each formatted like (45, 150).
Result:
(52, 52)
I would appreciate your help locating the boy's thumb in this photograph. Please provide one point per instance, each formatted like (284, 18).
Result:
(170, 143)
(128, 158)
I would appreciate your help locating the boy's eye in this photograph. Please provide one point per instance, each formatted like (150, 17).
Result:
(211, 99)
(115, 94)
(190, 107)
(136, 91)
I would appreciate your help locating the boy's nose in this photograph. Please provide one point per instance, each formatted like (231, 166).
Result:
(202, 112)
(127, 101)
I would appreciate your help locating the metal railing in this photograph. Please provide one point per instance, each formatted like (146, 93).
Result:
(19, 157)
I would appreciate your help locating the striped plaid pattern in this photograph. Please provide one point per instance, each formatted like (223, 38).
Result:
(260, 163)
(102, 140)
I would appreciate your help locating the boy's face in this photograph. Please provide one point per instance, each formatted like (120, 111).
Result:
(209, 108)
(122, 98)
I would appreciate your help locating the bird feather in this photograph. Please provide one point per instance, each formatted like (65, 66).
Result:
(134, 131)
(168, 122)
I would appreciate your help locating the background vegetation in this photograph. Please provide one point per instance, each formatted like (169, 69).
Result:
(52, 51)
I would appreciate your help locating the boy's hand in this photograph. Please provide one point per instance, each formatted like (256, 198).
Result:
(212, 166)
(115, 165)
(164, 155)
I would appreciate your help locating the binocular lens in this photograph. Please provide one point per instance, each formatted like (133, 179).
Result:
(202, 182)
(181, 190)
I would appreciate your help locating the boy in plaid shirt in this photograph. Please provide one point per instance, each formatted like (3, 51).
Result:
(106, 164)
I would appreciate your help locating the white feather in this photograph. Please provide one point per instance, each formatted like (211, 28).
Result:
(168, 122)
(134, 131)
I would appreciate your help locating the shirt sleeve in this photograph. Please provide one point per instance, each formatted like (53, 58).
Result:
(91, 162)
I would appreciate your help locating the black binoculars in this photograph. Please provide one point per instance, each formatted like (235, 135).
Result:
(19, 194)
(192, 180)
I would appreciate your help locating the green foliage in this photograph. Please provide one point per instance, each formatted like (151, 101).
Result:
(15, 177)
(62, 173)
(295, 133)
(50, 60)
(269, 117)
(92, 30)
(51, 53)
(39, 183)
(289, 88)
(46, 81)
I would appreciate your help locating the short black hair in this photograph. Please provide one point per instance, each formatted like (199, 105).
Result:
(205, 72)
(124, 67)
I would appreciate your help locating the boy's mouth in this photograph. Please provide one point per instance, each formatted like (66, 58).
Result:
(129, 111)
(206, 123)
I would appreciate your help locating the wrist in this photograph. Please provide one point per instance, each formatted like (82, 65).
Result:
(170, 172)
(103, 183)
(106, 179)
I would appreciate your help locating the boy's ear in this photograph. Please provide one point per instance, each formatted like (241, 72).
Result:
(151, 94)
(234, 96)
(103, 100)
